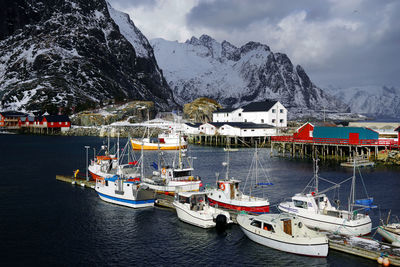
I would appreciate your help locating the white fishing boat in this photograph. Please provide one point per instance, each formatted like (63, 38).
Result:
(168, 179)
(284, 232)
(169, 140)
(107, 165)
(317, 212)
(228, 195)
(193, 208)
(125, 191)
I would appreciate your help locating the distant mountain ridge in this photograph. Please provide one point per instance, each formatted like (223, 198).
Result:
(74, 53)
(203, 67)
(375, 101)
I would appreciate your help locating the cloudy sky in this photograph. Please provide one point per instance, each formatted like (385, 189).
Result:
(341, 43)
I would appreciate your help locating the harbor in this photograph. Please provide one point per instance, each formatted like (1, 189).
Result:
(161, 222)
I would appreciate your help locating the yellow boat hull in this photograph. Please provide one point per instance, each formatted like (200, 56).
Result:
(137, 145)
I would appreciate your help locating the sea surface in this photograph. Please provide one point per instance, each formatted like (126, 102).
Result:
(44, 222)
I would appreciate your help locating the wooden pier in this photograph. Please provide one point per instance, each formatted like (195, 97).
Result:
(223, 140)
(330, 148)
(77, 181)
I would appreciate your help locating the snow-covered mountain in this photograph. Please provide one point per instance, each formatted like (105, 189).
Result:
(375, 101)
(74, 53)
(203, 67)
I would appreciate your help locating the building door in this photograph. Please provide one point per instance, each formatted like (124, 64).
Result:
(354, 138)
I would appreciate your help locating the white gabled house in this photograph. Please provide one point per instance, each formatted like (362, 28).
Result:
(266, 112)
(191, 128)
(210, 128)
(246, 129)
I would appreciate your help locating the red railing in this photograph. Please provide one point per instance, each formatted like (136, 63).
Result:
(337, 141)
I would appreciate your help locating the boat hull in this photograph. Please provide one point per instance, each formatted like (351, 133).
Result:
(137, 145)
(332, 224)
(203, 220)
(129, 197)
(314, 246)
(250, 207)
(313, 250)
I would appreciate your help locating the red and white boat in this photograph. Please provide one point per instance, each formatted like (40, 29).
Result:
(228, 195)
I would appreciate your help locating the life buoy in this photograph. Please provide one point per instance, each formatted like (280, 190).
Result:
(222, 186)
(163, 171)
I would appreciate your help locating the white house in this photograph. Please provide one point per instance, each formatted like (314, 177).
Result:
(191, 128)
(246, 129)
(266, 112)
(210, 128)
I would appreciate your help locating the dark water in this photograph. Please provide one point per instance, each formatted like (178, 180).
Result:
(46, 222)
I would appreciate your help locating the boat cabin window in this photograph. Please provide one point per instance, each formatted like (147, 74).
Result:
(300, 204)
(181, 173)
(256, 223)
(268, 227)
(184, 200)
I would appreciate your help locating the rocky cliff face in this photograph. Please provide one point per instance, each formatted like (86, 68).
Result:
(236, 76)
(74, 54)
(200, 110)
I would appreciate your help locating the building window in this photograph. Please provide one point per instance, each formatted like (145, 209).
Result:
(51, 123)
(273, 110)
(252, 130)
(273, 120)
(281, 110)
(245, 120)
(244, 130)
(281, 120)
(240, 114)
(262, 120)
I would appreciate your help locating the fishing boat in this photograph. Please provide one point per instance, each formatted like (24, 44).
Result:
(284, 232)
(126, 191)
(106, 165)
(193, 208)
(317, 212)
(168, 179)
(228, 195)
(169, 140)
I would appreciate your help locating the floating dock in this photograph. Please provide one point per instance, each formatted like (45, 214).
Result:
(364, 247)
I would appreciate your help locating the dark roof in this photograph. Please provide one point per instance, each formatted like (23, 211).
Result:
(194, 125)
(30, 118)
(224, 110)
(12, 113)
(397, 129)
(248, 125)
(217, 124)
(259, 106)
(57, 118)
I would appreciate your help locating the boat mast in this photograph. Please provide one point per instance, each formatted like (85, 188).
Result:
(108, 143)
(227, 164)
(180, 151)
(352, 189)
(316, 175)
(118, 148)
(141, 163)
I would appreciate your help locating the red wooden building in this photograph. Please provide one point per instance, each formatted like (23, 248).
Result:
(398, 135)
